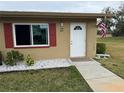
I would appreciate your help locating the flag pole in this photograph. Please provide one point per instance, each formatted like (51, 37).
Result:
(105, 18)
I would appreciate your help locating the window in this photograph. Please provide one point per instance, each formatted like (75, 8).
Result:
(78, 28)
(40, 34)
(22, 33)
(26, 35)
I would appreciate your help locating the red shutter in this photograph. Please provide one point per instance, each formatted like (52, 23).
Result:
(8, 35)
(52, 34)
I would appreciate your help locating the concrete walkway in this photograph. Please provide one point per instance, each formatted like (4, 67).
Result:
(99, 78)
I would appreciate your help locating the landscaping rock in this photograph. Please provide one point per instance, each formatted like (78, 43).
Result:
(41, 64)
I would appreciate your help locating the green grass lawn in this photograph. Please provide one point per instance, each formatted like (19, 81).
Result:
(115, 47)
(51, 80)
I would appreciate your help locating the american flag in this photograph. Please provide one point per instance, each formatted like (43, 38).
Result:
(103, 29)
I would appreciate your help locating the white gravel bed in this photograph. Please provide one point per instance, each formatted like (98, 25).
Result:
(41, 64)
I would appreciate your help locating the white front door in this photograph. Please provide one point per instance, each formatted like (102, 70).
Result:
(77, 39)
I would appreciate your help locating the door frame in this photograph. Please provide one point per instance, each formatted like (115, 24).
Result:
(84, 40)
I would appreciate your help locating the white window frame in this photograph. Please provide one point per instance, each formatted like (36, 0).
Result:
(14, 35)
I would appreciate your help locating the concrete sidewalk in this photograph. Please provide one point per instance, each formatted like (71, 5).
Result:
(99, 78)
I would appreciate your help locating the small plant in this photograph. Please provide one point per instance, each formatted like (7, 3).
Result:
(12, 57)
(0, 58)
(29, 60)
(17, 56)
(9, 59)
(101, 48)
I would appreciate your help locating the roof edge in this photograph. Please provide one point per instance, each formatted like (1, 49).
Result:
(60, 14)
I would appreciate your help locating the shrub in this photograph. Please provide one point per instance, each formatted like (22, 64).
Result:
(9, 59)
(0, 58)
(17, 56)
(115, 34)
(101, 48)
(29, 60)
(12, 57)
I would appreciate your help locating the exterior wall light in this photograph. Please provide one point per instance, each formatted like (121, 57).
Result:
(61, 24)
(61, 27)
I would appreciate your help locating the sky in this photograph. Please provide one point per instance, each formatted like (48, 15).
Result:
(58, 6)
